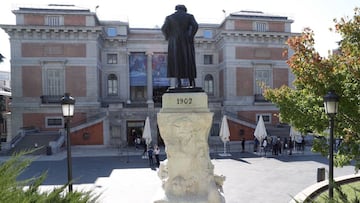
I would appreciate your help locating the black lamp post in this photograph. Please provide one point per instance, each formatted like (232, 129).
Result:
(331, 104)
(67, 106)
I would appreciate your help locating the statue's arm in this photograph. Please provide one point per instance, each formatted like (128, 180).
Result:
(165, 29)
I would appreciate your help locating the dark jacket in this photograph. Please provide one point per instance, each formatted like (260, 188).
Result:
(179, 29)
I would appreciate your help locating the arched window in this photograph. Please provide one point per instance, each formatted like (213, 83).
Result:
(209, 84)
(112, 85)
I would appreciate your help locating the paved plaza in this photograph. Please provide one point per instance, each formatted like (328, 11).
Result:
(249, 177)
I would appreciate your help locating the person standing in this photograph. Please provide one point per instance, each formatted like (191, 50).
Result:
(243, 144)
(150, 154)
(179, 30)
(157, 154)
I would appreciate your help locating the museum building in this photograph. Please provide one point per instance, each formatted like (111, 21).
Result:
(117, 74)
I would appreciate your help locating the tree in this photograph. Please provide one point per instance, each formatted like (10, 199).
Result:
(28, 191)
(1, 58)
(302, 106)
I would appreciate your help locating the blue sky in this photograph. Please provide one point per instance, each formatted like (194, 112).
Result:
(316, 14)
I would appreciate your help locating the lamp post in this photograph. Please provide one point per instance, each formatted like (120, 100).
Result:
(331, 104)
(67, 106)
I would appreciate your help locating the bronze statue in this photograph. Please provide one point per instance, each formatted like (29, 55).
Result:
(179, 29)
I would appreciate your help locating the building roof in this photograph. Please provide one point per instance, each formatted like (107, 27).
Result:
(257, 14)
(52, 7)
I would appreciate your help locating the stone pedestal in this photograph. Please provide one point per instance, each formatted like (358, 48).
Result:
(188, 174)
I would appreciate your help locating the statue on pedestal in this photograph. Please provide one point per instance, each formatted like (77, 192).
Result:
(180, 29)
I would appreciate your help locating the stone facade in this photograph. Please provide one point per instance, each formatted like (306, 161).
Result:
(62, 48)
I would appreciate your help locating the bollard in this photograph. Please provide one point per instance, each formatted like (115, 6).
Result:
(320, 174)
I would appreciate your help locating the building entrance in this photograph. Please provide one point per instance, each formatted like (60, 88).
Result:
(134, 132)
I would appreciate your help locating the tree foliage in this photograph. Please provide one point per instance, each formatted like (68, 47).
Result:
(302, 105)
(28, 191)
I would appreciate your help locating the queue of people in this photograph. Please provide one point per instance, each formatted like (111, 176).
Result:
(277, 145)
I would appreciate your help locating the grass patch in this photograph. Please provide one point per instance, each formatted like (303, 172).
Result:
(345, 193)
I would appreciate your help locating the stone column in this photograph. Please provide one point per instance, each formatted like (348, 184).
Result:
(149, 101)
(128, 79)
(188, 174)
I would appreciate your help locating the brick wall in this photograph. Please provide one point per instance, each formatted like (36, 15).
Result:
(244, 82)
(53, 50)
(92, 135)
(31, 81)
(260, 53)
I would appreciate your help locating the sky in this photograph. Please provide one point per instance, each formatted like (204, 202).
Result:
(315, 14)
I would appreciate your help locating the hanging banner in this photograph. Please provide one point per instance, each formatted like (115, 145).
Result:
(138, 65)
(159, 70)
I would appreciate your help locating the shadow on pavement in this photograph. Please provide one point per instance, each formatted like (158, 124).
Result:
(85, 170)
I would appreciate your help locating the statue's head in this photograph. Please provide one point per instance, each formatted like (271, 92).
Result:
(180, 7)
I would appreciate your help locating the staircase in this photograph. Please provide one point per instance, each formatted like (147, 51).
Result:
(35, 140)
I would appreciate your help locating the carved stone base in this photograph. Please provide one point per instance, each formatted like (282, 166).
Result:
(188, 174)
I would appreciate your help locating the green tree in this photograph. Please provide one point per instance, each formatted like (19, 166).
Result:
(12, 190)
(302, 106)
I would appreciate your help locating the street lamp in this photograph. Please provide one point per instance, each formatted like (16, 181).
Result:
(331, 104)
(67, 106)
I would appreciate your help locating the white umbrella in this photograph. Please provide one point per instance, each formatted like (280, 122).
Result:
(260, 130)
(147, 132)
(224, 134)
(295, 135)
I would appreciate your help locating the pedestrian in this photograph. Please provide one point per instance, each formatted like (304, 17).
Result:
(157, 153)
(243, 144)
(150, 155)
(180, 29)
(291, 146)
(264, 146)
(145, 147)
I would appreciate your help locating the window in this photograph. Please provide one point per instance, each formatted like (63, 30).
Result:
(207, 34)
(138, 93)
(112, 59)
(261, 26)
(111, 32)
(262, 77)
(54, 122)
(112, 85)
(53, 20)
(266, 117)
(209, 84)
(54, 81)
(208, 59)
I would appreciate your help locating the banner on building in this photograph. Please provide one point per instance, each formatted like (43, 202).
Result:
(138, 65)
(159, 70)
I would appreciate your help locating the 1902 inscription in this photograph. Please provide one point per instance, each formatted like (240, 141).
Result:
(186, 100)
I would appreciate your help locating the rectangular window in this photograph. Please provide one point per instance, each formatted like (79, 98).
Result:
(111, 32)
(208, 34)
(54, 82)
(208, 59)
(112, 58)
(262, 77)
(261, 26)
(266, 117)
(54, 122)
(53, 21)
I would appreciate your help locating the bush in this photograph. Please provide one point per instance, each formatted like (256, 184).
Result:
(28, 191)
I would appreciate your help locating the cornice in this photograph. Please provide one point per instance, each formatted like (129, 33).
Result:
(47, 32)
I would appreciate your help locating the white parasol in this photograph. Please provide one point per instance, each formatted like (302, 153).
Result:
(260, 130)
(295, 135)
(147, 132)
(224, 134)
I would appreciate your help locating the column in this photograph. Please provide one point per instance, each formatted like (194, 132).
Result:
(149, 85)
(128, 101)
